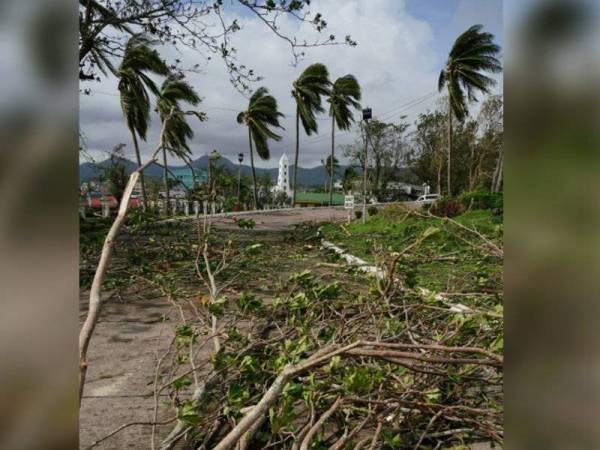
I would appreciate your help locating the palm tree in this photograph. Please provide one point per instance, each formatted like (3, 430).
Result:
(307, 91)
(173, 91)
(472, 54)
(345, 94)
(139, 59)
(261, 113)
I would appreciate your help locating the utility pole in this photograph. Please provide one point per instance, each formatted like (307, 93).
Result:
(240, 159)
(367, 114)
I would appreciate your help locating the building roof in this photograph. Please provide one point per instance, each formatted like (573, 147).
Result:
(318, 198)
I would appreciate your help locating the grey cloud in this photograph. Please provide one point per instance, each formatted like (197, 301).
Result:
(395, 63)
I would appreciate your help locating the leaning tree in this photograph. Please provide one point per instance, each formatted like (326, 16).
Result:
(173, 92)
(472, 55)
(261, 114)
(307, 91)
(345, 94)
(139, 60)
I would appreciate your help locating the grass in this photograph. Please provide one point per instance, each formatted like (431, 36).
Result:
(451, 260)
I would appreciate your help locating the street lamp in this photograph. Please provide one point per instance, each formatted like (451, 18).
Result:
(240, 159)
(367, 114)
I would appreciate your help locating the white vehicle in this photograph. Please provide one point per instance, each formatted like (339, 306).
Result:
(427, 199)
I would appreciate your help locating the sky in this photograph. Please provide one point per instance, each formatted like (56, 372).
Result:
(402, 45)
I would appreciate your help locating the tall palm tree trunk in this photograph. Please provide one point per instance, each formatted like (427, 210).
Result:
(296, 157)
(331, 165)
(449, 185)
(139, 163)
(254, 193)
(166, 180)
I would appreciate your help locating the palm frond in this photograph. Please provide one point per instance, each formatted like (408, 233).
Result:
(472, 54)
(261, 114)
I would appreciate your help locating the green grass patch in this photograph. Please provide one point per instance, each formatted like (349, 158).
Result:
(451, 260)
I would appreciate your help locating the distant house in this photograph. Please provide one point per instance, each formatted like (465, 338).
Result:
(183, 175)
(317, 199)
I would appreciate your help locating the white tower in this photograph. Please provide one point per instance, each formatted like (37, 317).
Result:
(283, 180)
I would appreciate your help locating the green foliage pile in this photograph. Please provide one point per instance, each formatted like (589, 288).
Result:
(271, 322)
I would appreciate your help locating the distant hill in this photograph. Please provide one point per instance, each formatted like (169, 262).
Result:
(308, 177)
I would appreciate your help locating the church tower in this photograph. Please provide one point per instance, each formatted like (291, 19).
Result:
(283, 180)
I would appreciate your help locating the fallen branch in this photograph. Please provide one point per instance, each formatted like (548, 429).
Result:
(319, 424)
(95, 302)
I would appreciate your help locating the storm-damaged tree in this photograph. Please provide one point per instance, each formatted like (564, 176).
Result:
(173, 92)
(472, 55)
(307, 91)
(95, 300)
(262, 113)
(345, 94)
(139, 60)
(104, 26)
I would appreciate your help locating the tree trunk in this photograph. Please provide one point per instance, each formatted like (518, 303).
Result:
(472, 169)
(331, 161)
(296, 157)
(449, 185)
(497, 180)
(255, 198)
(139, 163)
(95, 302)
(439, 174)
(166, 180)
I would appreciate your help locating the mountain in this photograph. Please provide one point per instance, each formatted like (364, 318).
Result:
(309, 177)
(89, 170)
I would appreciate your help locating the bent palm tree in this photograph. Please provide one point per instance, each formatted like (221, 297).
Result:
(345, 94)
(173, 91)
(473, 53)
(261, 113)
(139, 59)
(307, 91)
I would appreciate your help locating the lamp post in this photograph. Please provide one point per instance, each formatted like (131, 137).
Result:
(240, 159)
(367, 114)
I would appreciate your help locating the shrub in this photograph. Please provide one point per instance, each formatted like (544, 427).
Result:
(482, 200)
(372, 210)
(358, 214)
(447, 207)
(393, 213)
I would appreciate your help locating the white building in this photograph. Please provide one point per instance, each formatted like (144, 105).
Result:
(283, 179)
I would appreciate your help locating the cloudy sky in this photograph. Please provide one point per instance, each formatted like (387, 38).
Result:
(402, 44)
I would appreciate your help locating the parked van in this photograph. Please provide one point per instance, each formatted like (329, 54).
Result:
(427, 199)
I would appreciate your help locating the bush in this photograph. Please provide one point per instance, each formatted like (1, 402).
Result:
(372, 210)
(358, 214)
(447, 207)
(482, 200)
(394, 213)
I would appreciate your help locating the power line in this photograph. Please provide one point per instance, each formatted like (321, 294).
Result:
(395, 111)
